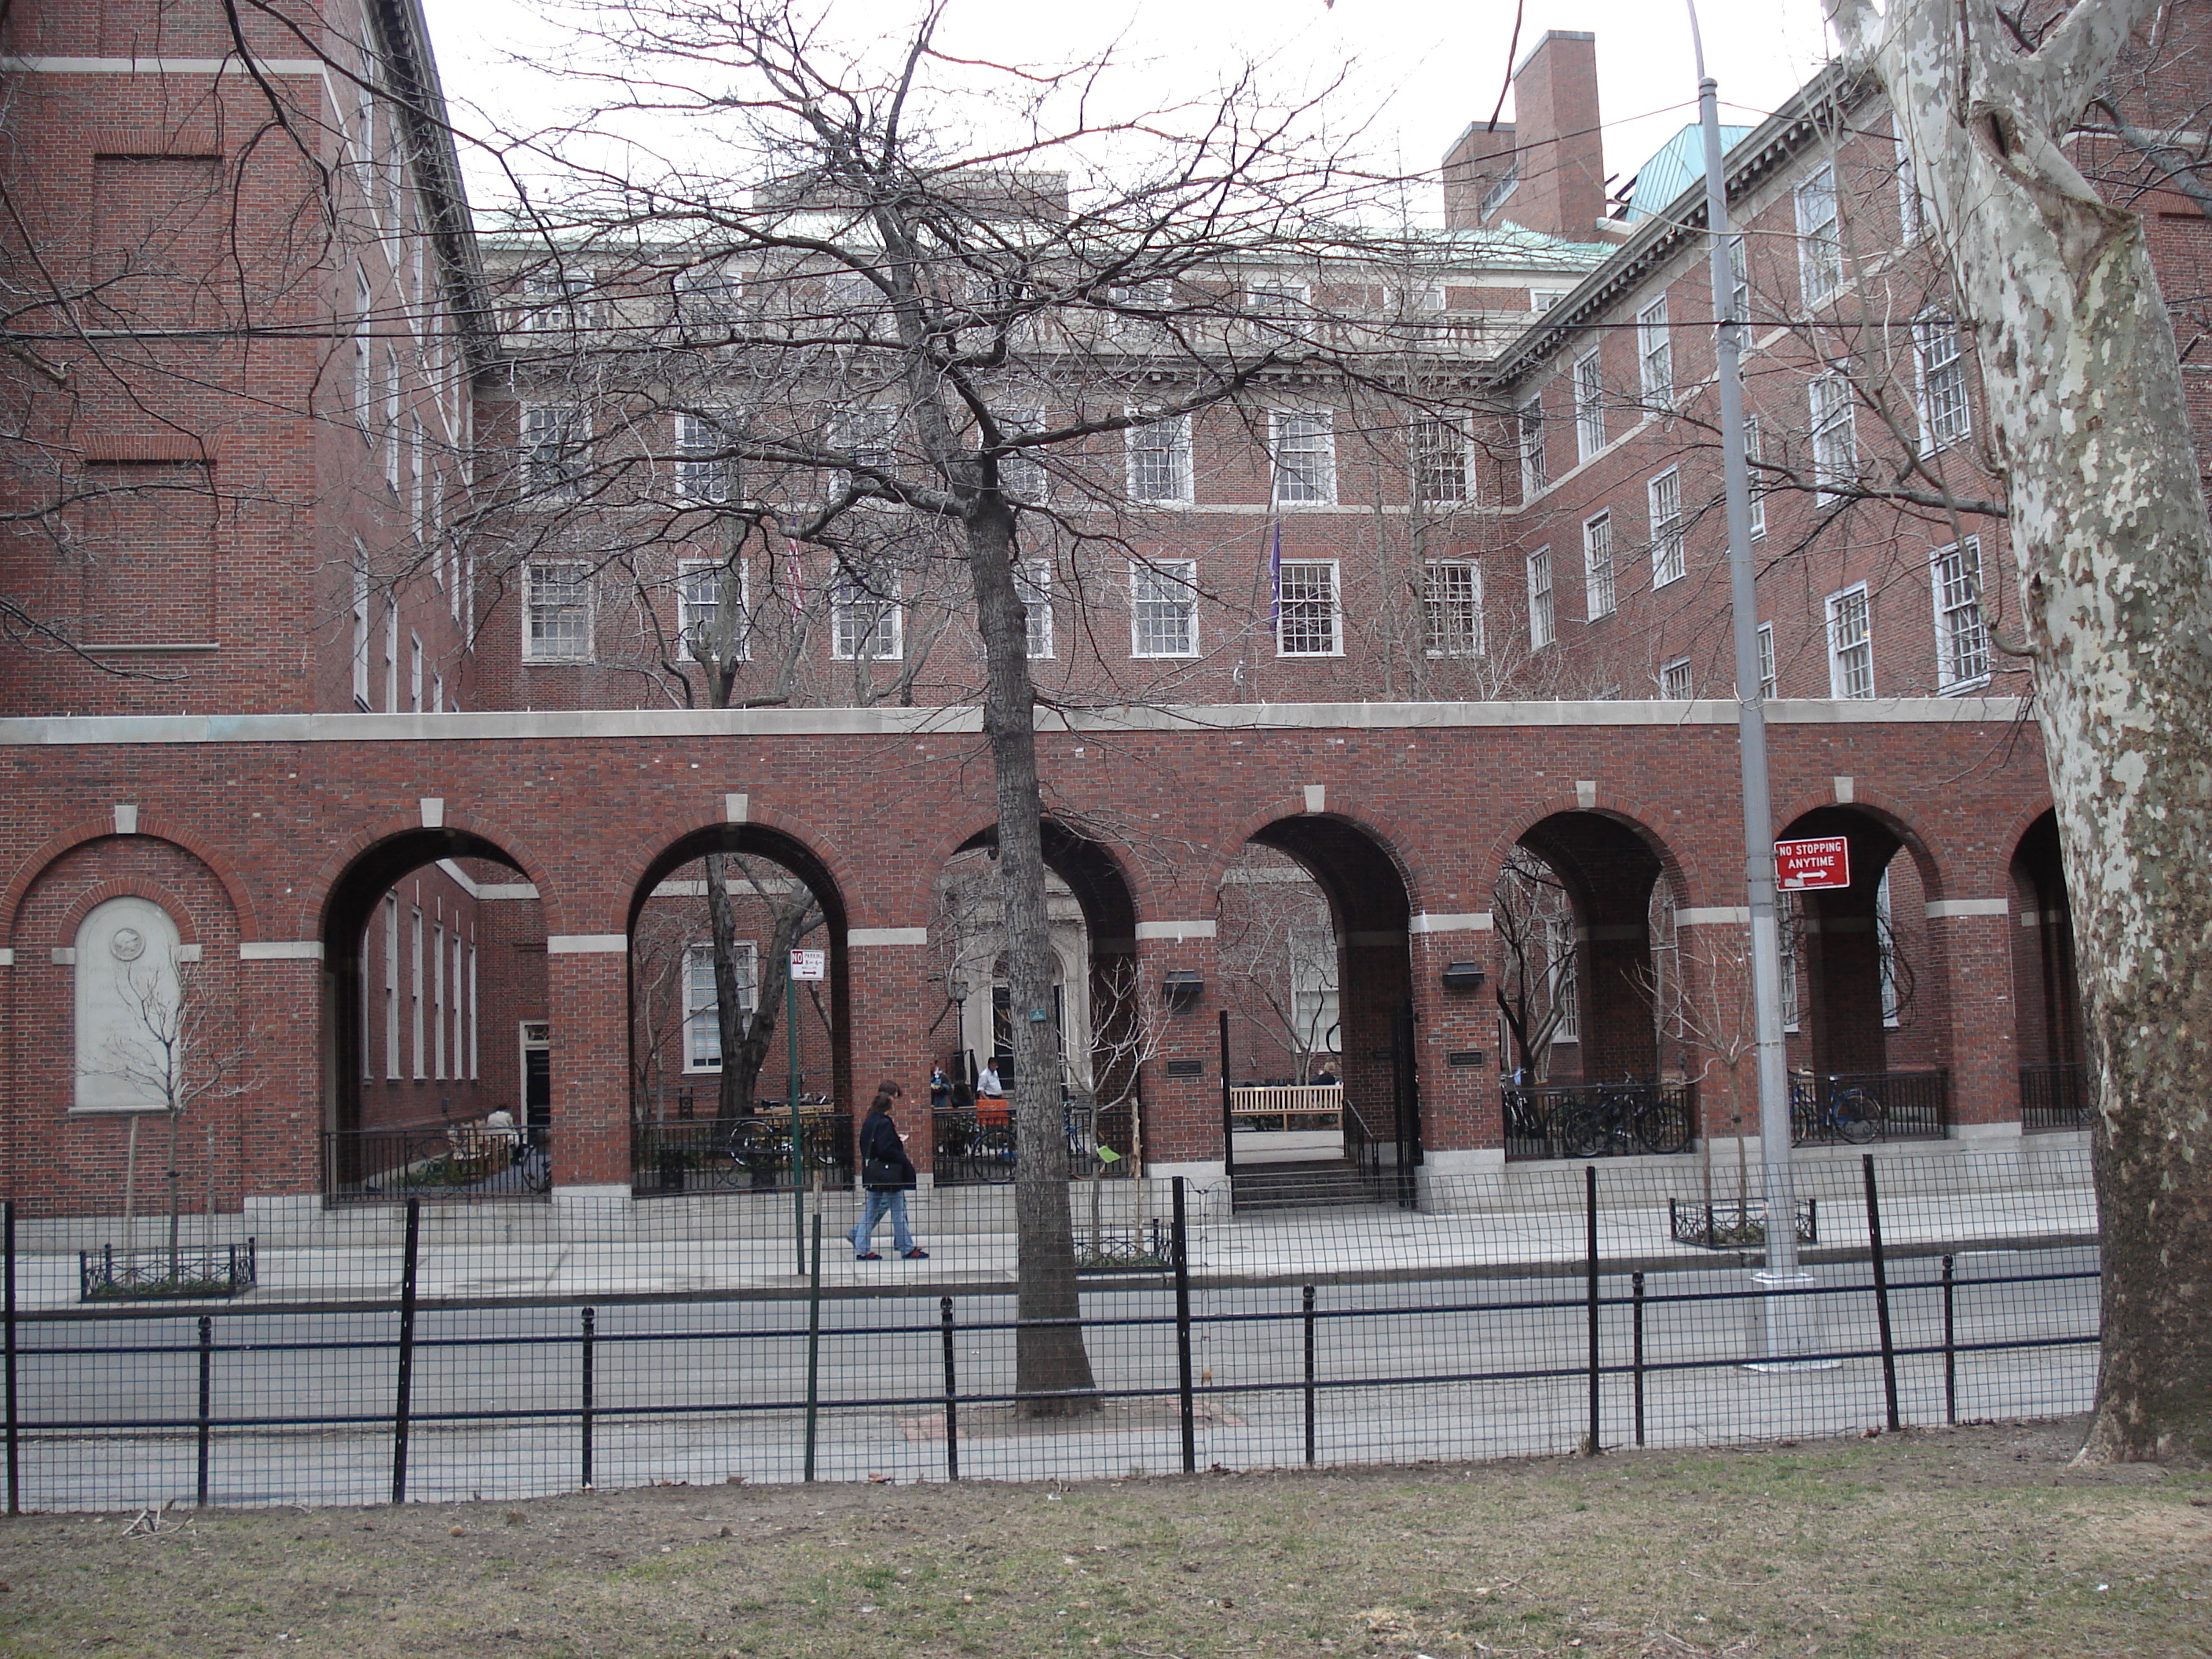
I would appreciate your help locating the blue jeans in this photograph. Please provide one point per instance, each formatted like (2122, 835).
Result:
(883, 1200)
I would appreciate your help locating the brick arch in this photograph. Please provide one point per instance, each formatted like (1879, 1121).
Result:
(320, 887)
(1674, 866)
(151, 826)
(1386, 836)
(826, 870)
(1102, 907)
(179, 910)
(1892, 815)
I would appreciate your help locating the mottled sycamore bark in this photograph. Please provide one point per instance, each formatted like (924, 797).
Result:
(2115, 558)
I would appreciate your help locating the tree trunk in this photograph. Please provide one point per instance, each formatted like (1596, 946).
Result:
(1052, 1371)
(721, 922)
(2115, 560)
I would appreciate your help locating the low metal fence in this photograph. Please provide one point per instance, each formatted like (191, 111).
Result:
(1940, 1289)
(455, 1163)
(1857, 1108)
(977, 1146)
(2055, 1098)
(1599, 1120)
(745, 1154)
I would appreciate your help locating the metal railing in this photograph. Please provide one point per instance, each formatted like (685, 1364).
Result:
(1855, 1108)
(1599, 1120)
(750, 1154)
(968, 1148)
(446, 1164)
(190, 1272)
(2055, 1098)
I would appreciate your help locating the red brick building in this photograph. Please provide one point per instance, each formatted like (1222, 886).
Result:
(407, 791)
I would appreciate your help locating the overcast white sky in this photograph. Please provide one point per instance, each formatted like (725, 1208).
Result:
(1423, 68)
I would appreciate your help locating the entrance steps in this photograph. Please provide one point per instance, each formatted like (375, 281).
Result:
(1333, 1183)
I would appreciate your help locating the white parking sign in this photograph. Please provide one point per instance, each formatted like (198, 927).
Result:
(809, 964)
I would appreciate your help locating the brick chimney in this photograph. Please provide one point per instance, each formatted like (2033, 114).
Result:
(1545, 171)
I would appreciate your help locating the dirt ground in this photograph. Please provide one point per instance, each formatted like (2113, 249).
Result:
(1964, 1544)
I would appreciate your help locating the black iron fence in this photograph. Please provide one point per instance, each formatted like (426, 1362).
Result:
(422, 1391)
(746, 1154)
(1599, 1120)
(1857, 1108)
(445, 1164)
(972, 1146)
(2055, 1098)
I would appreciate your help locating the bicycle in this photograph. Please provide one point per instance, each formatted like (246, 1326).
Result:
(1846, 1113)
(1624, 1117)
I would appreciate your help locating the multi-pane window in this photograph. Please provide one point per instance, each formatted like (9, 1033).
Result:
(1439, 462)
(415, 673)
(1559, 978)
(1820, 244)
(1835, 442)
(710, 596)
(1159, 460)
(709, 300)
(1303, 446)
(1020, 474)
(415, 985)
(1885, 942)
(1674, 680)
(557, 610)
(1654, 352)
(1767, 679)
(364, 353)
(1945, 418)
(1590, 408)
(1738, 259)
(1542, 631)
(552, 450)
(702, 1015)
(360, 625)
(1665, 496)
(1597, 566)
(1451, 606)
(1912, 215)
(1033, 581)
(1757, 493)
(1535, 469)
(391, 985)
(1962, 637)
(864, 617)
(869, 437)
(702, 473)
(1306, 613)
(1164, 609)
(556, 301)
(1850, 643)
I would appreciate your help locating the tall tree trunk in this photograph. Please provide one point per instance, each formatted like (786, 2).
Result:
(2115, 560)
(1051, 1368)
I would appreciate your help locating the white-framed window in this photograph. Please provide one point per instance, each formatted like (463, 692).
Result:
(437, 691)
(1439, 462)
(1535, 469)
(1276, 301)
(360, 625)
(552, 450)
(1664, 494)
(1819, 243)
(709, 300)
(1787, 911)
(1451, 607)
(869, 437)
(1597, 566)
(1164, 608)
(1541, 629)
(1589, 407)
(702, 585)
(1301, 443)
(556, 605)
(703, 474)
(1962, 636)
(1021, 473)
(1834, 432)
(1654, 352)
(1158, 456)
(1738, 259)
(1946, 416)
(1541, 300)
(1850, 643)
(1767, 678)
(702, 1018)
(391, 653)
(414, 974)
(391, 436)
(459, 1005)
(1757, 490)
(1033, 581)
(1308, 620)
(364, 354)
(438, 999)
(1559, 978)
(865, 619)
(1911, 211)
(392, 986)
(557, 302)
(1674, 683)
(476, 1009)
(414, 673)
(418, 497)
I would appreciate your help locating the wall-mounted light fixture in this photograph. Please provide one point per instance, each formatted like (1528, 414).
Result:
(1181, 989)
(1463, 977)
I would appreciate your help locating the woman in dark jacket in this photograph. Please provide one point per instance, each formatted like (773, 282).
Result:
(887, 1175)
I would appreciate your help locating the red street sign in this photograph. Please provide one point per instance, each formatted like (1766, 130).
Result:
(1823, 861)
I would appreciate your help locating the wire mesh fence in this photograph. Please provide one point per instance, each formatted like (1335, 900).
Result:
(430, 1354)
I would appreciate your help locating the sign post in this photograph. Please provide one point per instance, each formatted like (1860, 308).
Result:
(810, 965)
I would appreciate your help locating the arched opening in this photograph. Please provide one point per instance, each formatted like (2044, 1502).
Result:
(1104, 1026)
(1313, 953)
(2054, 1074)
(437, 1044)
(736, 1059)
(1572, 912)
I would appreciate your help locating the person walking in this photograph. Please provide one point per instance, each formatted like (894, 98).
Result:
(887, 1174)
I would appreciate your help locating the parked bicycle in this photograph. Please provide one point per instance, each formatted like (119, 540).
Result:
(1624, 1117)
(1845, 1112)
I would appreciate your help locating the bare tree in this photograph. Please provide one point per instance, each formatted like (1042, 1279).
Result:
(1534, 918)
(2115, 551)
